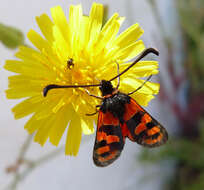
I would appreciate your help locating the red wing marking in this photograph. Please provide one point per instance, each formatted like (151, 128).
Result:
(153, 131)
(146, 118)
(112, 156)
(101, 136)
(131, 109)
(109, 140)
(142, 128)
(108, 119)
(103, 149)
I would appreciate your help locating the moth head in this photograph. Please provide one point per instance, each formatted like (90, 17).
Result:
(106, 87)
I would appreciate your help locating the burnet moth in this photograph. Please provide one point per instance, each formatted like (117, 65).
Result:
(120, 116)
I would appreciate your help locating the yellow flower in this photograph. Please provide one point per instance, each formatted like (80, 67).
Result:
(76, 51)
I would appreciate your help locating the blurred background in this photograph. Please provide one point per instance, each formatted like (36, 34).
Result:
(176, 29)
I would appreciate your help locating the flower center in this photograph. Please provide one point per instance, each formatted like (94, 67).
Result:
(81, 76)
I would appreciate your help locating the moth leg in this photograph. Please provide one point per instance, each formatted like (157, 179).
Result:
(90, 114)
(118, 71)
(99, 97)
(140, 86)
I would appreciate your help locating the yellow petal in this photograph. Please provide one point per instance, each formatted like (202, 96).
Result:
(148, 88)
(13, 65)
(23, 86)
(140, 69)
(47, 106)
(31, 55)
(108, 33)
(61, 22)
(87, 126)
(82, 103)
(142, 99)
(25, 108)
(20, 93)
(45, 25)
(33, 124)
(95, 23)
(43, 132)
(75, 19)
(129, 36)
(74, 135)
(83, 35)
(37, 40)
(29, 68)
(61, 46)
(142, 96)
(60, 124)
(130, 51)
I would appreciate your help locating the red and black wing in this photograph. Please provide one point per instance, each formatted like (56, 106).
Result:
(109, 140)
(142, 128)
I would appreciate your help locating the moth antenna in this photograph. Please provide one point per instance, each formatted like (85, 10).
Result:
(140, 85)
(143, 54)
(54, 86)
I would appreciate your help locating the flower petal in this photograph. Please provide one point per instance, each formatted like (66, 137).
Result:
(61, 22)
(26, 107)
(37, 40)
(148, 88)
(31, 55)
(95, 23)
(129, 36)
(130, 51)
(74, 135)
(61, 47)
(45, 25)
(87, 126)
(75, 19)
(29, 68)
(59, 125)
(33, 124)
(43, 132)
(142, 99)
(141, 69)
(108, 33)
(48, 105)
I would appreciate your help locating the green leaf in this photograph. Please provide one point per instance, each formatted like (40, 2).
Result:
(11, 37)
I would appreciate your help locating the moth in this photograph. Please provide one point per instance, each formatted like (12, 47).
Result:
(120, 117)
